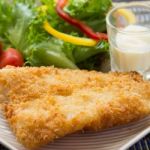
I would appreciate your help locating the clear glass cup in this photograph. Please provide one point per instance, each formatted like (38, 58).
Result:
(128, 28)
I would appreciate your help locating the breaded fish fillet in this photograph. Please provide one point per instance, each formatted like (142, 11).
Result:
(43, 104)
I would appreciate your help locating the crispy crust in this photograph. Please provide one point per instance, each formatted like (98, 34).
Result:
(42, 104)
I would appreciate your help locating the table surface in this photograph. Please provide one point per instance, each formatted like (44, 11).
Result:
(144, 144)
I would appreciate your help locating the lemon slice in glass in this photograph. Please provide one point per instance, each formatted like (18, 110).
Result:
(127, 14)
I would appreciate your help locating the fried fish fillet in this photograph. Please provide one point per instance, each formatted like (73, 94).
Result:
(43, 104)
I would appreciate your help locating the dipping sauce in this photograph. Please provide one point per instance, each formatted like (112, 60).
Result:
(132, 51)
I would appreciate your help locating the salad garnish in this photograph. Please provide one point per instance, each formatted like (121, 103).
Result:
(43, 38)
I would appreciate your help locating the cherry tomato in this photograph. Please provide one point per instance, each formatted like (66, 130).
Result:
(11, 57)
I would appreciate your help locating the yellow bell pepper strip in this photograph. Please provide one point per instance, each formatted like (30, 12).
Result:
(69, 38)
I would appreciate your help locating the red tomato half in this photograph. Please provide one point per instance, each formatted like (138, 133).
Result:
(11, 57)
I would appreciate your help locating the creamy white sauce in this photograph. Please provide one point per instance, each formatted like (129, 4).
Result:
(132, 51)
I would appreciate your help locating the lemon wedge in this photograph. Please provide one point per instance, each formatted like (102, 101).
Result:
(129, 16)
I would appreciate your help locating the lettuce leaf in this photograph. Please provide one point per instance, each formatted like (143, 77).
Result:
(46, 54)
(15, 20)
(82, 9)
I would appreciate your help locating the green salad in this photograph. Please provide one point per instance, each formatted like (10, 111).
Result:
(62, 33)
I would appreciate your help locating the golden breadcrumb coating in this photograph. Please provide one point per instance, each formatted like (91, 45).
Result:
(43, 104)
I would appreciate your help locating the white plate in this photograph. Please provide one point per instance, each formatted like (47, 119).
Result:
(119, 138)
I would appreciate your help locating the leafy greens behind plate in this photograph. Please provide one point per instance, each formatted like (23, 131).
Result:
(21, 27)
